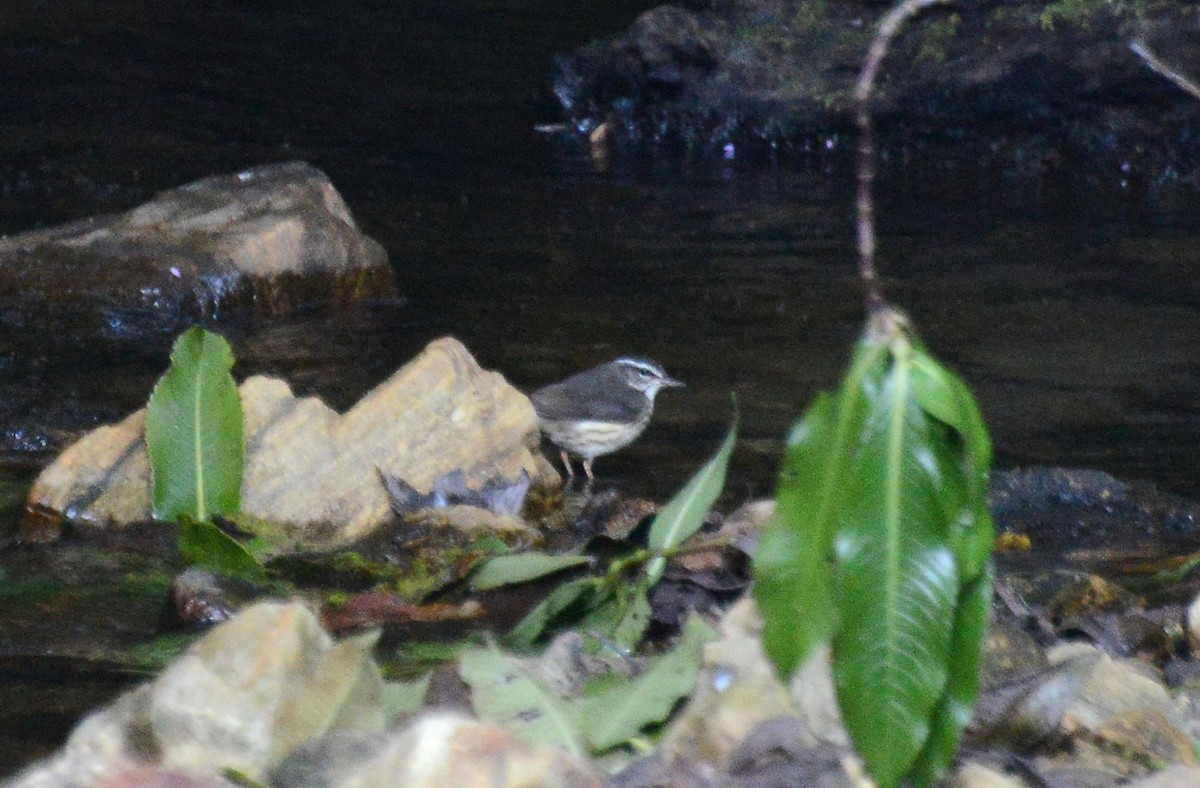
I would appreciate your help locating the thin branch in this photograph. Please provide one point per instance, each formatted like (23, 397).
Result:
(1163, 70)
(888, 27)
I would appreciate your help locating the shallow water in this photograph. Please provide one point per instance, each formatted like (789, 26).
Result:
(1068, 299)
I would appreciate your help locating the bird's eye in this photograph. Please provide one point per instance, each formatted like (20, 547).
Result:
(645, 372)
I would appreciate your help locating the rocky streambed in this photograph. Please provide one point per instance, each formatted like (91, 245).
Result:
(353, 672)
(344, 664)
(357, 658)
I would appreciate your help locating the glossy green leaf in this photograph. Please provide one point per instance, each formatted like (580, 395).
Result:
(505, 570)
(896, 579)
(505, 692)
(946, 398)
(793, 565)
(954, 709)
(684, 514)
(203, 544)
(194, 431)
(617, 709)
(880, 544)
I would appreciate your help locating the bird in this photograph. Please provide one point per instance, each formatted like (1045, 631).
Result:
(600, 410)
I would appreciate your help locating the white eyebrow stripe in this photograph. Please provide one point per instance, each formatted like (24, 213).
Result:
(642, 365)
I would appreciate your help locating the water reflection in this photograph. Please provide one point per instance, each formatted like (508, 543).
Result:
(1065, 296)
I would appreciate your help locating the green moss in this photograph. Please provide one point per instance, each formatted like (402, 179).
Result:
(422, 579)
(147, 584)
(32, 589)
(1083, 13)
(938, 36)
(350, 562)
(408, 660)
(810, 15)
(155, 654)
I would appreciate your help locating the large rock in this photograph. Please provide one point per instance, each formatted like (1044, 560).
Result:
(263, 241)
(1051, 77)
(269, 696)
(447, 749)
(243, 698)
(315, 470)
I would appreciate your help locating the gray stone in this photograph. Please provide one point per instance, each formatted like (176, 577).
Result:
(263, 241)
(244, 697)
(442, 749)
(738, 692)
(1177, 776)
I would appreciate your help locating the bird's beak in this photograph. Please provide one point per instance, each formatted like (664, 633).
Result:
(672, 382)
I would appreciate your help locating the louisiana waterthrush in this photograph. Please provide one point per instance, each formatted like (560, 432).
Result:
(601, 409)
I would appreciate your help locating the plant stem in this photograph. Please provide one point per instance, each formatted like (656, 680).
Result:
(1162, 69)
(888, 27)
(618, 566)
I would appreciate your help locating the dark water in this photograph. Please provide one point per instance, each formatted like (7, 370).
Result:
(1068, 301)
(1071, 303)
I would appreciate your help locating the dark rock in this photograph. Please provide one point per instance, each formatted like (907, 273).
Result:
(1079, 509)
(263, 242)
(321, 762)
(1008, 78)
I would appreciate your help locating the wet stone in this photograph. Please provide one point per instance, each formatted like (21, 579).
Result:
(266, 241)
(725, 77)
(200, 598)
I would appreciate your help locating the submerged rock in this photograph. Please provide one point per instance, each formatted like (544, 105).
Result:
(265, 241)
(317, 472)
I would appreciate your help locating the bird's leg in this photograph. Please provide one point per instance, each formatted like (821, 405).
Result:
(566, 458)
(587, 468)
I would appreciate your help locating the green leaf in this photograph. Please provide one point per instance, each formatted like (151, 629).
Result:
(895, 575)
(540, 618)
(880, 544)
(203, 544)
(505, 570)
(946, 398)
(620, 614)
(505, 692)
(194, 431)
(793, 569)
(684, 514)
(953, 712)
(617, 709)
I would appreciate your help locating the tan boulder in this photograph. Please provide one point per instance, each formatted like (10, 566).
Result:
(314, 470)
